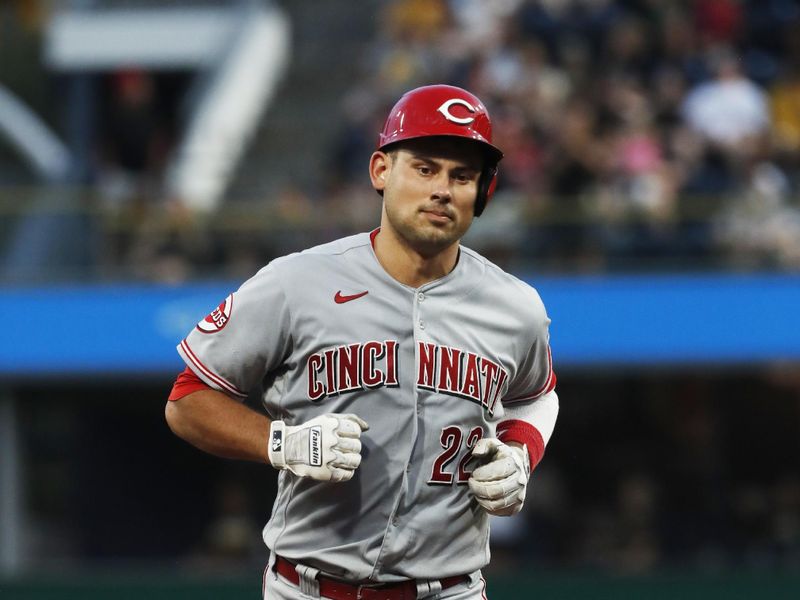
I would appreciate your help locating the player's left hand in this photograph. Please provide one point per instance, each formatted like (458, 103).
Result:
(499, 483)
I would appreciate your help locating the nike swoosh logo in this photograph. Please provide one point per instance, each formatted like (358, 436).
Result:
(340, 299)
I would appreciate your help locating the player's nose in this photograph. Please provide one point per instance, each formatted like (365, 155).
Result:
(440, 190)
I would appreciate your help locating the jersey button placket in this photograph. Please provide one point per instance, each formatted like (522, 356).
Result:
(420, 300)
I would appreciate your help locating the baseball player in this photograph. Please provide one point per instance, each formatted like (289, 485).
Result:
(407, 380)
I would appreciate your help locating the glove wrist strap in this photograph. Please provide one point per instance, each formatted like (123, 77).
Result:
(276, 444)
(526, 461)
(522, 452)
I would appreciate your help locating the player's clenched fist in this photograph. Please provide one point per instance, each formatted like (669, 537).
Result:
(326, 448)
(499, 483)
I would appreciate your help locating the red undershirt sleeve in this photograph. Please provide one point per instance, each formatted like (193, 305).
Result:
(186, 383)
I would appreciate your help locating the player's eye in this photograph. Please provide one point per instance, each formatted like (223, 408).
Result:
(464, 177)
(424, 170)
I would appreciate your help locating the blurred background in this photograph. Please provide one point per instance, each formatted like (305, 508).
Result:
(153, 155)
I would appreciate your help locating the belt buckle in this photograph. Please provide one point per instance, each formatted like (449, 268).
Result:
(369, 592)
(385, 591)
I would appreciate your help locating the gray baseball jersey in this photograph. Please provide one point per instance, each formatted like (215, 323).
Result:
(430, 369)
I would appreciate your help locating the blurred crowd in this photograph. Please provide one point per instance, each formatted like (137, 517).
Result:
(639, 134)
(668, 131)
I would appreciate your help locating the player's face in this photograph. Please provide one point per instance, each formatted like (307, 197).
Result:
(429, 190)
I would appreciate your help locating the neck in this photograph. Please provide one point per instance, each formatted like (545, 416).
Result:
(411, 266)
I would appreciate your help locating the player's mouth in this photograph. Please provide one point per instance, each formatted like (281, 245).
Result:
(438, 215)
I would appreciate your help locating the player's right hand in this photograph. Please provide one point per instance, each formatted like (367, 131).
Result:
(326, 448)
(499, 483)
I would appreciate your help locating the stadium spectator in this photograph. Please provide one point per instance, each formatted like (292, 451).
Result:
(730, 109)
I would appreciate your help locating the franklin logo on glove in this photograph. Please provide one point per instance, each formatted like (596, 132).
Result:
(315, 446)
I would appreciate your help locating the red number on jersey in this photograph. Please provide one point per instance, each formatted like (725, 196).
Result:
(451, 442)
(472, 439)
(450, 439)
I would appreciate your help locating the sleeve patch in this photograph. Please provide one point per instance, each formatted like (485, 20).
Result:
(218, 318)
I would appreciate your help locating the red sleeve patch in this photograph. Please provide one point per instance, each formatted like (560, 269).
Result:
(218, 318)
(186, 383)
(521, 432)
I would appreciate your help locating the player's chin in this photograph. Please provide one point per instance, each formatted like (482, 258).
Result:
(439, 227)
(439, 234)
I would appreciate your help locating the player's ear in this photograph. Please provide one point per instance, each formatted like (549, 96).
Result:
(379, 166)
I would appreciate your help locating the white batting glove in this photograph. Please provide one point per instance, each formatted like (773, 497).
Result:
(499, 484)
(326, 448)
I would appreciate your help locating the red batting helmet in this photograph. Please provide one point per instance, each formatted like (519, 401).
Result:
(445, 110)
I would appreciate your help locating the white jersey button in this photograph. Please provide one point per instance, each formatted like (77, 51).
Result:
(421, 324)
(420, 297)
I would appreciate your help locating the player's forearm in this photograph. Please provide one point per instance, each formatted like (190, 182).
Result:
(219, 425)
(530, 424)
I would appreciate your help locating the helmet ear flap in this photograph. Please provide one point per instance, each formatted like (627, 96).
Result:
(486, 186)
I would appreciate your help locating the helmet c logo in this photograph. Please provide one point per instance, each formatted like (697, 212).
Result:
(445, 110)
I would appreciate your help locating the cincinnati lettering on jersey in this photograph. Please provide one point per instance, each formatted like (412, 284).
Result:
(352, 367)
(458, 373)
